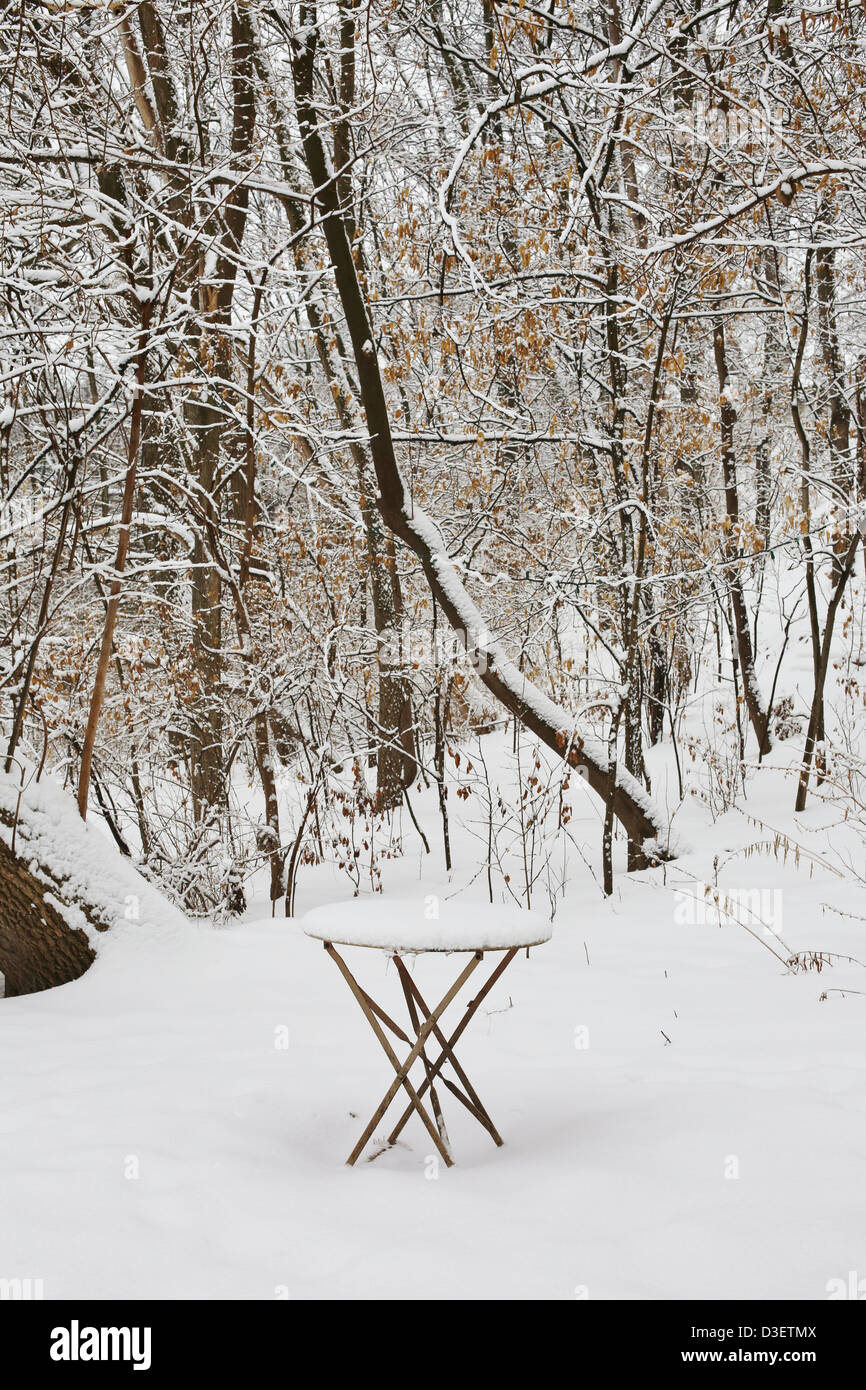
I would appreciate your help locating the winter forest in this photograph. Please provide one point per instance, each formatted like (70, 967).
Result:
(433, 461)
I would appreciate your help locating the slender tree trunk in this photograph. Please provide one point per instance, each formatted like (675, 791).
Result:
(831, 352)
(772, 371)
(758, 716)
(29, 666)
(110, 621)
(816, 714)
(208, 788)
(815, 735)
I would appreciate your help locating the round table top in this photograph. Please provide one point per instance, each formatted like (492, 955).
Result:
(426, 922)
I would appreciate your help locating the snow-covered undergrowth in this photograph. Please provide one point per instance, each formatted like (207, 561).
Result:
(683, 1110)
(42, 826)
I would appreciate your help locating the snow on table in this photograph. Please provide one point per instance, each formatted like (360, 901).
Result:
(407, 925)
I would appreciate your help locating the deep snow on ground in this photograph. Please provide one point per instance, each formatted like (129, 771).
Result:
(682, 1115)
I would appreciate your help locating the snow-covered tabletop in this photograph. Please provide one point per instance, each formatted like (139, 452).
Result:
(404, 926)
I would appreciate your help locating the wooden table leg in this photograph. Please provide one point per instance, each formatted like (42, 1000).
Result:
(448, 1054)
(402, 1078)
(470, 1099)
(407, 983)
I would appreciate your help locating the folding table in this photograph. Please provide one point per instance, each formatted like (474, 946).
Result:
(402, 928)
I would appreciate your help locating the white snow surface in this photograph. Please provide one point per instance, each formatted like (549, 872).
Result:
(425, 923)
(683, 1116)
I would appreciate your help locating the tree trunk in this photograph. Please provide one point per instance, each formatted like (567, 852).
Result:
(772, 369)
(758, 716)
(119, 566)
(831, 352)
(38, 948)
(641, 819)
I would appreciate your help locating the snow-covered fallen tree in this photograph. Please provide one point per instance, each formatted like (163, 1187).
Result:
(63, 886)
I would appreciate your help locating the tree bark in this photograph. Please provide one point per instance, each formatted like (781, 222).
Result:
(831, 352)
(758, 716)
(119, 566)
(38, 948)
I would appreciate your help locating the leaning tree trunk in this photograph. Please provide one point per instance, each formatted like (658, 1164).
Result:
(62, 885)
(641, 819)
(394, 735)
(38, 947)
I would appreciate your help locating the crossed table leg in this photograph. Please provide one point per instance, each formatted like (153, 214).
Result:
(376, 1016)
